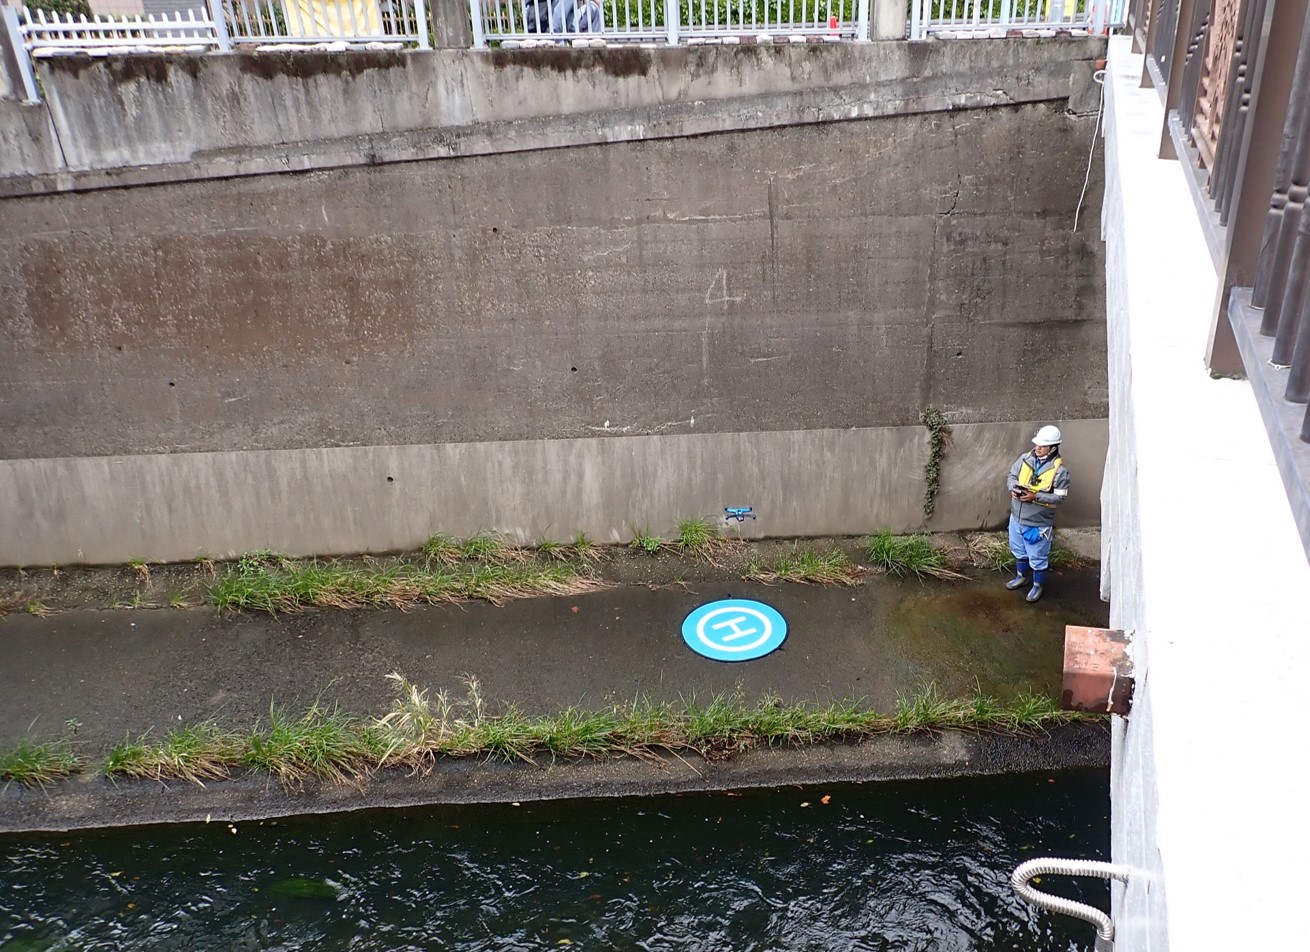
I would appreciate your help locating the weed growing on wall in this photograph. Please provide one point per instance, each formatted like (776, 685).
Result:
(939, 435)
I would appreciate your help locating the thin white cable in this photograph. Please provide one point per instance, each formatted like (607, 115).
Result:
(1098, 77)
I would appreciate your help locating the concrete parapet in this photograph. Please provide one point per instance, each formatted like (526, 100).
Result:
(152, 118)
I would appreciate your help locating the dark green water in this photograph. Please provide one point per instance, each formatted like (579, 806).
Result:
(880, 866)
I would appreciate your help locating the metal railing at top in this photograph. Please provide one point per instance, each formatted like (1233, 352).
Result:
(54, 31)
(223, 24)
(326, 21)
(514, 22)
(938, 17)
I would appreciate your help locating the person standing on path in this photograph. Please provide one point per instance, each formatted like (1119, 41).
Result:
(1038, 484)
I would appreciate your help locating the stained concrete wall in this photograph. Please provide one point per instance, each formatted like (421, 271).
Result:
(380, 498)
(128, 120)
(842, 275)
(773, 280)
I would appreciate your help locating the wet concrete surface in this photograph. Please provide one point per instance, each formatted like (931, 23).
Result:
(125, 672)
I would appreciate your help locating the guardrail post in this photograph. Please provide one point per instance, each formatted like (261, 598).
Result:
(218, 16)
(421, 21)
(475, 15)
(889, 19)
(916, 20)
(1007, 12)
(672, 14)
(1098, 16)
(14, 57)
(862, 20)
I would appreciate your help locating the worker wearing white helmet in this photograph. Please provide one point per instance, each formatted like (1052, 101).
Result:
(1038, 484)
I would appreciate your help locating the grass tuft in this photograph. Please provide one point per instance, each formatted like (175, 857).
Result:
(142, 569)
(807, 566)
(322, 744)
(585, 549)
(908, 554)
(697, 535)
(550, 549)
(490, 550)
(441, 549)
(643, 541)
(194, 753)
(38, 764)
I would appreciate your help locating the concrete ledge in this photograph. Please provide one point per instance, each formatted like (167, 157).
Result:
(1282, 419)
(94, 802)
(175, 506)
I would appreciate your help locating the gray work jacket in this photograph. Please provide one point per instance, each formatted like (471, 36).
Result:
(1041, 512)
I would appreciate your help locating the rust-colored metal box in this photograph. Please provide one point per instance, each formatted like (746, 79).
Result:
(1098, 673)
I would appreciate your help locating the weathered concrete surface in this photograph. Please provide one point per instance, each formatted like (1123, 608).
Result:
(91, 802)
(841, 275)
(173, 507)
(803, 269)
(130, 120)
(123, 673)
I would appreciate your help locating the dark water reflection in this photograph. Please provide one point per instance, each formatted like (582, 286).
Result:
(880, 866)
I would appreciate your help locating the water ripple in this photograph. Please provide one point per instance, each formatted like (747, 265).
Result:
(890, 866)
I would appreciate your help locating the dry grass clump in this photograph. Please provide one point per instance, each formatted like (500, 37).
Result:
(991, 550)
(279, 585)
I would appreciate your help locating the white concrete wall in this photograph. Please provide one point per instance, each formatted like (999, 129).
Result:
(1207, 573)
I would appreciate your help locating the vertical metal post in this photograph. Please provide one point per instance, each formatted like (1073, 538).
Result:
(475, 15)
(22, 58)
(1098, 16)
(1276, 43)
(672, 13)
(219, 18)
(1007, 12)
(421, 15)
(862, 20)
(916, 20)
(1177, 45)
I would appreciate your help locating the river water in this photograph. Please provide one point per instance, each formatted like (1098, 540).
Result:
(919, 865)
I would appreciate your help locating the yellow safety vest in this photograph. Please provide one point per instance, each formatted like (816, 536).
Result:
(1045, 482)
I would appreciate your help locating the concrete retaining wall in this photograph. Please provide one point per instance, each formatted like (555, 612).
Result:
(808, 268)
(379, 498)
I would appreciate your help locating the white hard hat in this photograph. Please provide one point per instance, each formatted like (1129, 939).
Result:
(1047, 436)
